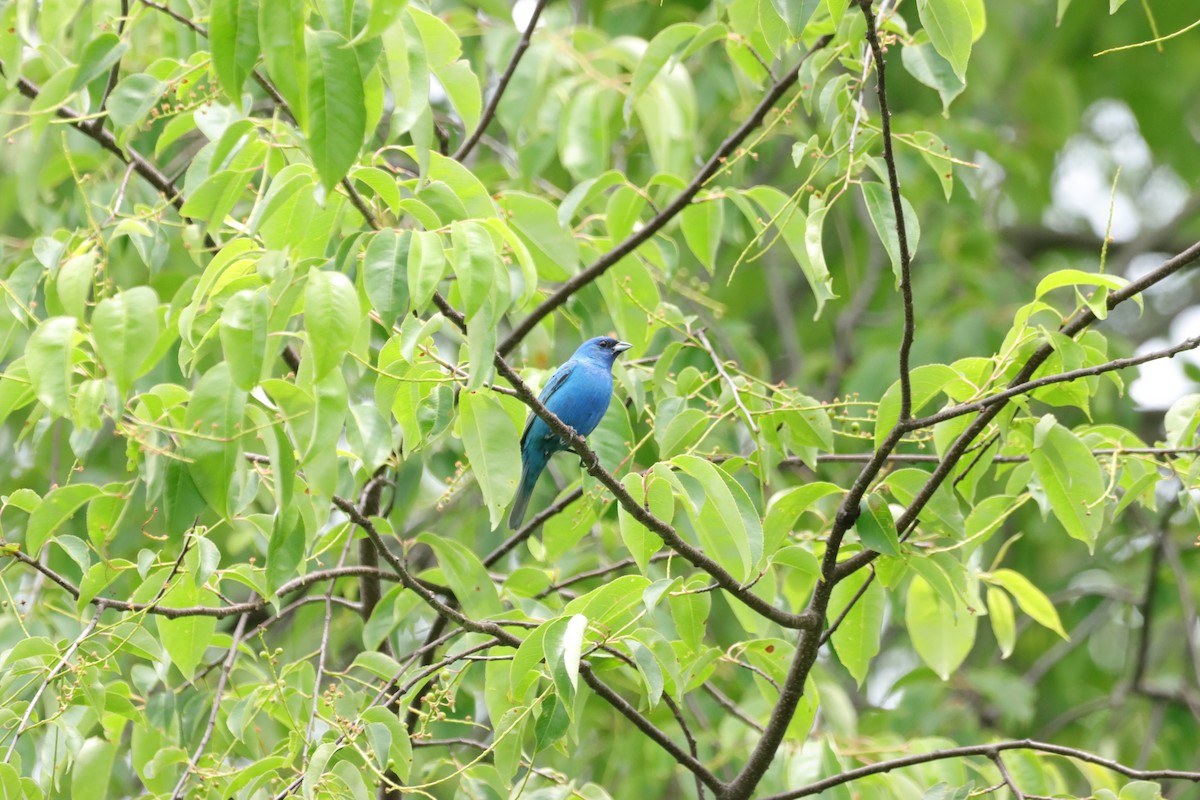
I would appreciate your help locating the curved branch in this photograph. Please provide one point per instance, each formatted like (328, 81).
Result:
(987, 751)
(1063, 377)
(485, 119)
(673, 209)
(219, 612)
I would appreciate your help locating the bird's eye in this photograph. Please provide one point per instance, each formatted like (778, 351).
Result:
(606, 343)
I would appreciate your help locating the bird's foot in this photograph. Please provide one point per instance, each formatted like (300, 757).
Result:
(588, 460)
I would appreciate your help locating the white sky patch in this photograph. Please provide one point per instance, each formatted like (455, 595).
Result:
(523, 12)
(1160, 383)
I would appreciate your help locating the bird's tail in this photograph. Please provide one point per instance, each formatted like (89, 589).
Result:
(531, 470)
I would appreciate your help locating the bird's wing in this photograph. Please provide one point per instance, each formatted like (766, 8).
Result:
(553, 385)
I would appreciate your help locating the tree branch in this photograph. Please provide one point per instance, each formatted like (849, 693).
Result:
(987, 751)
(673, 209)
(216, 707)
(1073, 326)
(889, 157)
(502, 636)
(489, 111)
(114, 73)
(143, 167)
(930, 458)
(681, 756)
(733, 388)
(1062, 377)
(591, 463)
(58, 667)
(219, 612)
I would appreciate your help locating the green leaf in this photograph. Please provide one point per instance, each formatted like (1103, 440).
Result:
(550, 242)
(925, 383)
(92, 769)
(125, 329)
(331, 318)
(662, 49)
(942, 635)
(942, 510)
(856, 639)
(936, 154)
(1004, 623)
(948, 23)
(281, 34)
(337, 113)
(491, 441)
(244, 326)
(426, 267)
(689, 611)
(385, 273)
(877, 528)
(213, 443)
(925, 64)
(563, 653)
(98, 57)
(466, 575)
(233, 35)
(48, 359)
(399, 752)
(1031, 600)
(785, 508)
(655, 494)
(56, 508)
(796, 13)
(1182, 420)
(681, 432)
(1071, 479)
(133, 98)
(475, 264)
(186, 639)
(552, 724)
(1141, 790)
(793, 226)
(726, 530)
(702, 224)
(883, 216)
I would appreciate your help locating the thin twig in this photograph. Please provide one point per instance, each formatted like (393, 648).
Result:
(62, 662)
(113, 73)
(1147, 606)
(832, 629)
(489, 111)
(324, 648)
(216, 707)
(1062, 377)
(729, 705)
(985, 750)
(930, 458)
(889, 158)
(1008, 779)
(219, 612)
(175, 15)
(733, 387)
(1187, 605)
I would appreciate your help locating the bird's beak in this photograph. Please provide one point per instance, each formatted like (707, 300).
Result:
(621, 347)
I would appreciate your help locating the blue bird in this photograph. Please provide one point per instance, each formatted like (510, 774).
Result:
(578, 393)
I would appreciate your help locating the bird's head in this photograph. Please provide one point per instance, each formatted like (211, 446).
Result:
(602, 350)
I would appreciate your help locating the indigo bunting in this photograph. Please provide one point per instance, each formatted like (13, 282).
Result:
(578, 393)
